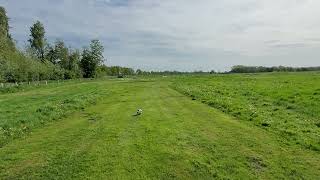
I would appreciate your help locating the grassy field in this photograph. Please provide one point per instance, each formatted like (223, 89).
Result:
(87, 130)
(34, 106)
(285, 103)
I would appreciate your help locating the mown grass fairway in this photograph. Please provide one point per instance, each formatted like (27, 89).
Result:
(175, 137)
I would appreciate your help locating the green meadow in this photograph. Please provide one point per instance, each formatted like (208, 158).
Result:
(233, 126)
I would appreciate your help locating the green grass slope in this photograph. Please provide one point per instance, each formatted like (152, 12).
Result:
(175, 138)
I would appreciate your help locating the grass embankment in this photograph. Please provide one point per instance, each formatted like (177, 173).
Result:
(31, 106)
(174, 138)
(285, 103)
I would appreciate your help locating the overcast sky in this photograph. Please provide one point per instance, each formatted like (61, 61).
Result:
(180, 34)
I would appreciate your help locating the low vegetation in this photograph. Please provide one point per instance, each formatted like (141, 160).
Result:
(284, 103)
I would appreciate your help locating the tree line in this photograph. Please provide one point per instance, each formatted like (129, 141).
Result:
(41, 60)
(258, 69)
(140, 72)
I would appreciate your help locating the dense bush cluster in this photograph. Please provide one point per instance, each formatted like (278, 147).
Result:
(114, 71)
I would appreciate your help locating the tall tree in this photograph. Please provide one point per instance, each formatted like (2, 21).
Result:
(97, 51)
(51, 54)
(91, 59)
(58, 54)
(74, 60)
(73, 64)
(37, 39)
(139, 71)
(5, 37)
(62, 53)
(4, 23)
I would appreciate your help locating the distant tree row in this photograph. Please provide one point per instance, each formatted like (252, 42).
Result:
(115, 71)
(258, 69)
(140, 72)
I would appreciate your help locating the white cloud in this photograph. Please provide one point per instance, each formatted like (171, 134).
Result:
(181, 34)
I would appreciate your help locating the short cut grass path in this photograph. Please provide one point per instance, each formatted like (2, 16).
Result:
(174, 138)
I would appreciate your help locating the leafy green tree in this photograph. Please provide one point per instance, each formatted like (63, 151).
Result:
(88, 64)
(6, 42)
(4, 23)
(115, 70)
(74, 60)
(37, 40)
(17, 66)
(103, 70)
(127, 71)
(91, 59)
(58, 54)
(66, 58)
(51, 54)
(139, 72)
(73, 64)
(62, 53)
